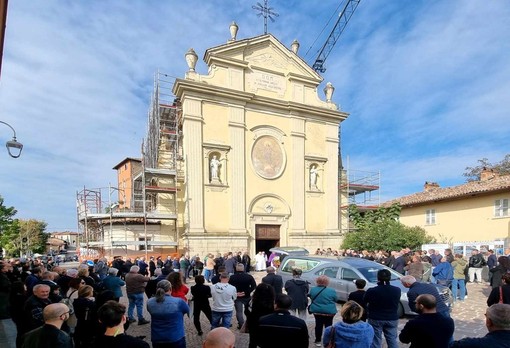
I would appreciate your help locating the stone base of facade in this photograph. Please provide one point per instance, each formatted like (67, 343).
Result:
(214, 243)
(222, 243)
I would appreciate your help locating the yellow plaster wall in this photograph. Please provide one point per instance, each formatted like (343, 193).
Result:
(256, 185)
(215, 126)
(315, 138)
(315, 220)
(216, 202)
(470, 219)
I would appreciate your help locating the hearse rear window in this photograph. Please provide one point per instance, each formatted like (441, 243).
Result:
(304, 265)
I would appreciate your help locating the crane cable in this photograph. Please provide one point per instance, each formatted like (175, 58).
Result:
(325, 26)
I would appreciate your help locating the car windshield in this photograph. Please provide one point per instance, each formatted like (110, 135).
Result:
(370, 273)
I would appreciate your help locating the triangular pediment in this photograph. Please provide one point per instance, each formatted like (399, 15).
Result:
(264, 53)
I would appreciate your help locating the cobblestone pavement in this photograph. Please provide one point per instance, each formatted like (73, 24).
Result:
(468, 316)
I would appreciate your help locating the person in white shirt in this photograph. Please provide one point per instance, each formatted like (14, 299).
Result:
(223, 295)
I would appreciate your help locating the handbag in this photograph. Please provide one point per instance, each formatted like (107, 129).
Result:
(308, 308)
(500, 294)
(331, 342)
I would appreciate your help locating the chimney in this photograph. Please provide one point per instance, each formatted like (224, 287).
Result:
(429, 186)
(488, 174)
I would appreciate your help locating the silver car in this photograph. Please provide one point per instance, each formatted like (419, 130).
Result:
(343, 271)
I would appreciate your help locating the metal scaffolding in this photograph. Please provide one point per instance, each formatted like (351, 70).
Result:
(360, 188)
(363, 189)
(154, 193)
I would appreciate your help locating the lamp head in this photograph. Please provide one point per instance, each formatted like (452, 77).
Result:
(15, 146)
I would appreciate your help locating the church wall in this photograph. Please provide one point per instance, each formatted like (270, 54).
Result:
(315, 138)
(257, 185)
(216, 196)
(215, 125)
(315, 148)
(248, 100)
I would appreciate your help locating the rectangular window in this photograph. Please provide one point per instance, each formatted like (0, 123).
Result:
(430, 217)
(501, 207)
(142, 247)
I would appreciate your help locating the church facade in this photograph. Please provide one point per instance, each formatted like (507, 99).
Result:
(261, 151)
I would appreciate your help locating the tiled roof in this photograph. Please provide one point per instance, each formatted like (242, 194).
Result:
(472, 188)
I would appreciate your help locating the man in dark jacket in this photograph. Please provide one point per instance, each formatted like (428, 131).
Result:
(5, 289)
(34, 306)
(230, 264)
(400, 263)
(112, 316)
(246, 261)
(144, 266)
(245, 284)
(382, 302)
(50, 335)
(152, 266)
(416, 289)
(280, 329)
(429, 329)
(476, 263)
(297, 289)
(497, 321)
(33, 279)
(201, 294)
(118, 263)
(273, 279)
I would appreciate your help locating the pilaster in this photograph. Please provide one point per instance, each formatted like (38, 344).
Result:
(331, 185)
(298, 174)
(192, 144)
(237, 128)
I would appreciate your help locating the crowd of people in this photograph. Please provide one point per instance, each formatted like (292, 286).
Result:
(81, 307)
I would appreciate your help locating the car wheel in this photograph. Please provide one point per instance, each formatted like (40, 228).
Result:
(400, 310)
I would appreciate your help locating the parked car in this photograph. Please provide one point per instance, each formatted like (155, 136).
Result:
(343, 271)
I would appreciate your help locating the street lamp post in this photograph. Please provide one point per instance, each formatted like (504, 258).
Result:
(13, 145)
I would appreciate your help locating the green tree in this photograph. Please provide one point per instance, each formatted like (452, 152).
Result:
(379, 229)
(24, 236)
(6, 221)
(6, 215)
(502, 167)
(386, 235)
(372, 216)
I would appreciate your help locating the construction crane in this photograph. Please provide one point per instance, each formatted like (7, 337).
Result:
(339, 27)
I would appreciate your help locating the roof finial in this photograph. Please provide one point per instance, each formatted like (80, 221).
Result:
(233, 31)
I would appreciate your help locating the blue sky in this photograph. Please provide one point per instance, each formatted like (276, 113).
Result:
(426, 83)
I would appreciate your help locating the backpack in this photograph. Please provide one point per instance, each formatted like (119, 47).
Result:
(72, 321)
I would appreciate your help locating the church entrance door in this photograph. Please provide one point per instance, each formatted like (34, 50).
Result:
(266, 237)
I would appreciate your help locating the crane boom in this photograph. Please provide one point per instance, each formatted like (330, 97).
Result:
(339, 27)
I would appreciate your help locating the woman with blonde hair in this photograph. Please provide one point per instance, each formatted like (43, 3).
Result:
(84, 274)
(322, 306)
(352, 331)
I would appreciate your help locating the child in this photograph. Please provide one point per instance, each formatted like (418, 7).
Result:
(357, 296)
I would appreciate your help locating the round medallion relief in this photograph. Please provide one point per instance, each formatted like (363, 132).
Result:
(267, 157)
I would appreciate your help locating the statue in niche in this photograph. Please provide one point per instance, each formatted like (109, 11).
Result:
(214, 166)
(314, 173)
